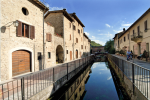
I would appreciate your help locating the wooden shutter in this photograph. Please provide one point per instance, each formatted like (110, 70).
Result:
(46, 36)
(70, 55)
(19, 29)
(32, 32)
(70, 36)
(50, 37)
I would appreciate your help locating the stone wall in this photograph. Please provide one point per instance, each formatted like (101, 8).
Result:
(9, 40)
(56, 20)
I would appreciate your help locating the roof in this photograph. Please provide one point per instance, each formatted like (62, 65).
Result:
(86, 37)
(65, 13)
(41, 5)
(115, 36)
(136, 21)
(78, 20)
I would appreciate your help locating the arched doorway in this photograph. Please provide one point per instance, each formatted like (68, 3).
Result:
(21, 62)
(76, 54)
(59, 54)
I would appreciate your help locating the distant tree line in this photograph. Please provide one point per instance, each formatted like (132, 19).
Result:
(93, 43)
(109, 47)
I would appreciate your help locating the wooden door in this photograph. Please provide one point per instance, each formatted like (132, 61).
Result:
(76, 53)
(20, 62)
(70, 55)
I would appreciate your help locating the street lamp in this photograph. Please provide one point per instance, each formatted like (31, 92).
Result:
(16, 23)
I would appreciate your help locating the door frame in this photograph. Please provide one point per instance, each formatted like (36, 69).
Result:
(10, 59)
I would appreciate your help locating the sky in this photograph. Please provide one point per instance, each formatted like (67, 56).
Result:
(102, 18)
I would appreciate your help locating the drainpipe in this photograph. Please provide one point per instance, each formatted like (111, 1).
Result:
(64, 37)
(43, 43)
(0, 41)
(73, 39)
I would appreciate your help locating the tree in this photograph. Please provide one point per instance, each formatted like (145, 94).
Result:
(93, 43)
(109, 46)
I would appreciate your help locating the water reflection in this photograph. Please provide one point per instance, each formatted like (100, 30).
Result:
(94, 83)
(76, 89)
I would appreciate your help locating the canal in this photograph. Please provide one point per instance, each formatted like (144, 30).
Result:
(96, 82)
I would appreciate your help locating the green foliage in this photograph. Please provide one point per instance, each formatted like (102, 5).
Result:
(109, 46)
(93, 43)
(122, 52)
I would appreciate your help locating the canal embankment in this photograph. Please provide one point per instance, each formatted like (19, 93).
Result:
(130, 78)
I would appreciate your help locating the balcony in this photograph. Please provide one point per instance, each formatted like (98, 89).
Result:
(137, 37)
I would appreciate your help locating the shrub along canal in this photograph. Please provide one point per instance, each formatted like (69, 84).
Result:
(96, 82)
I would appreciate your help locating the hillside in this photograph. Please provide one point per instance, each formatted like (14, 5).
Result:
(93, 43)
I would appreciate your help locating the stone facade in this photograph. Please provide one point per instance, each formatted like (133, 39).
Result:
(59, 37)
(97, 49)
(71, 29)
(11, 42)
(132, 39)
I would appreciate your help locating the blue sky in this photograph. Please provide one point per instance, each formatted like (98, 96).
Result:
(103, 18)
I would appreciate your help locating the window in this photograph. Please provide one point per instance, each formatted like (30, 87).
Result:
(145, 25)
(138, 30)
(39, 56)
(133, 33)
(80, 89)
(124, 39)
(24, 30)
(74, 27)
(48, 37)
(66, 51)
(78, 31)
(76, 40)
(70, 25)
(70, 36)
(78, 24)
(49, 55)
(81, 46)
(71, 89)
(25, 11)
(81, 30)
(128, 36)
(75, 95)
(85, 47)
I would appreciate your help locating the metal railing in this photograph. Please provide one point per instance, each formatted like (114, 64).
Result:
(27, 86)
(137, 35)
(138, 75)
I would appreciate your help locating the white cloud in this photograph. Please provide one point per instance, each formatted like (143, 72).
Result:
(99, 30)
(127, 24)
(47, 5)
(107, 25)
(93, 37)
(108, 35)
(117, 31)
(87, 33)
(55, 8)
(109, 78)
(102, 69)
(100, 42)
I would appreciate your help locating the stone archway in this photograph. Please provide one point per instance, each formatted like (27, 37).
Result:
(59, 54)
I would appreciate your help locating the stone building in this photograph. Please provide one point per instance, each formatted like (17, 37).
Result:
(70, 29)
(29, 45)
(22, 38)
(136, 37)
(97, 49)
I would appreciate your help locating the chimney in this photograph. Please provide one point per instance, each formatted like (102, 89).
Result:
(124, 29)
(64, 9)
(74, 13)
